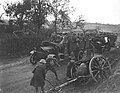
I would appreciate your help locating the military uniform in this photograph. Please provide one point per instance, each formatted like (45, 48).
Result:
(38, 79)
(49, 65)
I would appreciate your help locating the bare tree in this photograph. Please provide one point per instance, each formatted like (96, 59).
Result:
(61, 10)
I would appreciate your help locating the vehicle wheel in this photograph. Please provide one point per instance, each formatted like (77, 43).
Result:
(32, 61)
(77, 71)
(74, 69)
(99, 68)
(80, 54)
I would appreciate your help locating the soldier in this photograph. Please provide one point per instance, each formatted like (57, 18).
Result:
(72, 56)
(38, 79)
(50, 62)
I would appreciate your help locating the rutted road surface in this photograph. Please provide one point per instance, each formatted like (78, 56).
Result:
(16, 79)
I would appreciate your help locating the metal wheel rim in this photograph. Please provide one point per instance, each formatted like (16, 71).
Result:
(31, 60)
(74, 65)
(102, 73)
(79, 55)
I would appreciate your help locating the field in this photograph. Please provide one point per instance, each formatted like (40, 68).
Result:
(15, 78)
(108, 27)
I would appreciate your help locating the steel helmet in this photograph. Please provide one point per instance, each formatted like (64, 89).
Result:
(43, 61)
(50, 56)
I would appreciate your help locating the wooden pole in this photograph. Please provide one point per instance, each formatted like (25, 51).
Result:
(57, 88)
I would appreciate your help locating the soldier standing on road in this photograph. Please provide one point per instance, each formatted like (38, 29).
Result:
(38, 79)
(50, 63)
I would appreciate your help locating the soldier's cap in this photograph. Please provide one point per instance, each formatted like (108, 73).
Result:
(72, 60)
(50, 56)
(43, 61)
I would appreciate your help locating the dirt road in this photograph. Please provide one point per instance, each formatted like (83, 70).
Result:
(16, 79)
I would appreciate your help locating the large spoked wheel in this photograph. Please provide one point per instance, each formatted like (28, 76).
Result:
(99, 68)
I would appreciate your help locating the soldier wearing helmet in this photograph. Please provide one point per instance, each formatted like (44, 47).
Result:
(50, 62)
(38, 79)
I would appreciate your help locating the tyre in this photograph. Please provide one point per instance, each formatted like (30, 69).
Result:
(32, 60)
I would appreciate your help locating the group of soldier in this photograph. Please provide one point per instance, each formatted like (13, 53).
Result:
(44, 65)
(67, 41)
(40, 70)
(71, 45)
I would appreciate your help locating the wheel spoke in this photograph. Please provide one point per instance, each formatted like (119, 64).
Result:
(100, 76)
(101, 62)
(76, 67)
(105, 71)
(96, 63)
(106, 67)
(94, 71)
(104, 63)
(97, 73)
(94, 67)
(104, 74)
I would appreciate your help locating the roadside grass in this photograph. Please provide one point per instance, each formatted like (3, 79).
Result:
(111, 85)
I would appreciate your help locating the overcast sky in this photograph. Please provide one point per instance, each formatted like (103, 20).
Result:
(101, 11)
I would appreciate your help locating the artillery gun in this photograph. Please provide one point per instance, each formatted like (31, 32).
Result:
(89, 65)
(96, 68)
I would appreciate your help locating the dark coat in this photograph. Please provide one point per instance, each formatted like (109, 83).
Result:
(38, 78)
